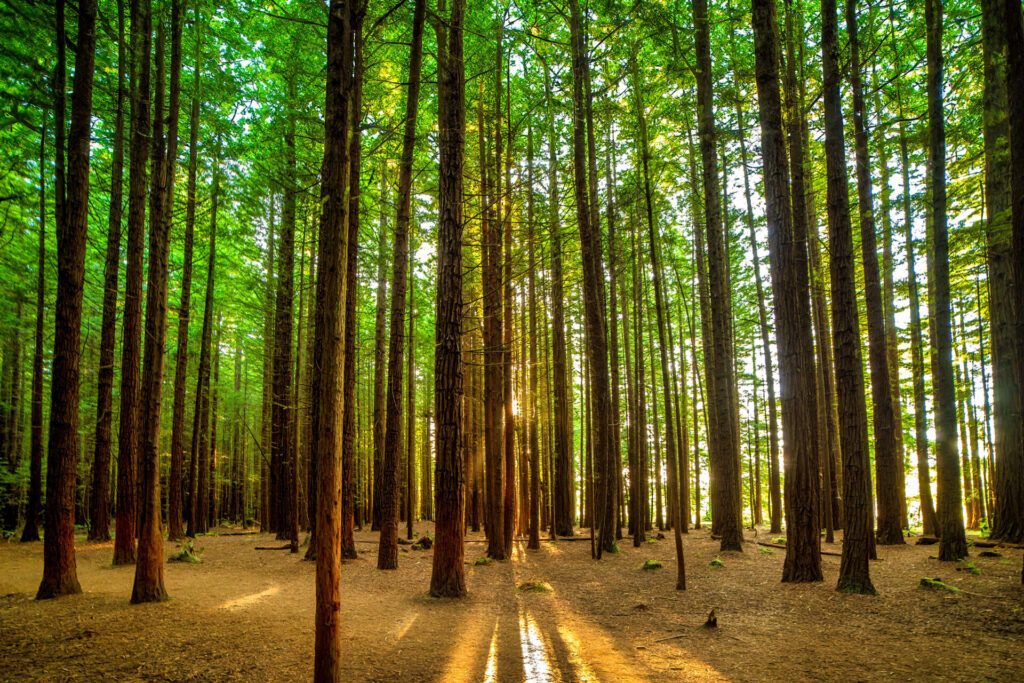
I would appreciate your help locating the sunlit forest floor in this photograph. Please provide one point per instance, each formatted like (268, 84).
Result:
(243, 614)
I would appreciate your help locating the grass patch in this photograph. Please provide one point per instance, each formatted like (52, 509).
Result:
(716, 563)
(483, 561)
(766, 551)
(938, 584)
(536, 587)
(189, 553)
(780, 540)
(651, 565)
(969, 567)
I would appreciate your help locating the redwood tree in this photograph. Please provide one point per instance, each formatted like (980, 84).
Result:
(447, 577)
(60, 575)
(857, 542)
(332, 250)
(787, 247)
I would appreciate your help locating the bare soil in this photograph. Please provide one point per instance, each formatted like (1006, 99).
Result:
(243, 614)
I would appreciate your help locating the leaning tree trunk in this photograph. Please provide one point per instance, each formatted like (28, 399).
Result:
(60, 575)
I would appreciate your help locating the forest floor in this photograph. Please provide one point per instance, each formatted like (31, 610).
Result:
(243, 614)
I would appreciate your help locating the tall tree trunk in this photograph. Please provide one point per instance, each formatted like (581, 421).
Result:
(774, 479)
(410, 411)
(128, 428)
(724, 448)
(953, 544)
(1015, 99)
(283, 473)
(889, 469)
(175, 518)
(149, 569)
(661, 309)
(857, 542)
(60, 576)
(380, 355)
(99, 508)
(493, 377)
(198, 466)
(387, 554)
(787, 249)
(929, 519)
(564, 503)
(328, 355)
(34, 505)
(447, 577)
(533, 415)
(348, 482)
(1007, 522)
(593, 285)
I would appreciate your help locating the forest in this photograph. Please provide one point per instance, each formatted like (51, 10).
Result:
(511, 340)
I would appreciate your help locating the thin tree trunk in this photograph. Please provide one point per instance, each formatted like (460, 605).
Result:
(774, 480)
(175, 521)
(348, 484)
(199, 466)
(127, 441)
(387, 554)
(564, 502)
(99, 509)
(34, 505)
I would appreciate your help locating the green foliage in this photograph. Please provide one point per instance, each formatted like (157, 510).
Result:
(938, 584)
(651, 565)
(765, 551)
(188, 553)
(970, 567)
(536, 587)
(483, 561)
(716, 563)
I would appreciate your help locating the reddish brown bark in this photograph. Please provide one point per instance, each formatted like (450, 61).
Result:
(60, 575)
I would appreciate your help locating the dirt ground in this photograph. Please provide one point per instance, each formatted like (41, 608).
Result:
(247, 615)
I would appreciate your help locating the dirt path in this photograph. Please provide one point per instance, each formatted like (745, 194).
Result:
(247, 615)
